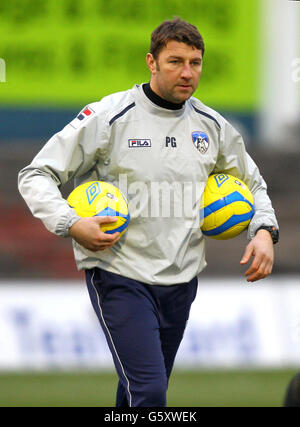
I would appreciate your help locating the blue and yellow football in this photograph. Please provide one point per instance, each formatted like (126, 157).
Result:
(99, 198)
(228, 207)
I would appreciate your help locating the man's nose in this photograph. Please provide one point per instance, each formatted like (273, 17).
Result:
(186, 71)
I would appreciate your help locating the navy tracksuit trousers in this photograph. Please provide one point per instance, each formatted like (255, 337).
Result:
(143, 325)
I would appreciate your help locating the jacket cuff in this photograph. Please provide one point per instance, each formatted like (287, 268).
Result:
(254, 226)
(67, 222)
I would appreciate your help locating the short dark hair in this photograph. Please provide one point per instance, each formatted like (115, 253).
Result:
(175, 29)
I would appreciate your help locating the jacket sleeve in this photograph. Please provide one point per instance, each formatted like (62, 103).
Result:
(70, 153)
(234, 160)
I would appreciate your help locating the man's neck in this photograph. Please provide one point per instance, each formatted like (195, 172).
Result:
(156, 99)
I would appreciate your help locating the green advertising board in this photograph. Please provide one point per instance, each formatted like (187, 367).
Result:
(72, 52)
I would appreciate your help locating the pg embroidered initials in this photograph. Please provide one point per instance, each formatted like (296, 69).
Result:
(171, 141)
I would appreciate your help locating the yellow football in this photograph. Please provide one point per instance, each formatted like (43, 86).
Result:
(99, 198)
(228, 207)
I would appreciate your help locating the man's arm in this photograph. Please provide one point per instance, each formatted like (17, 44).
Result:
(233, 159)
(70, 153)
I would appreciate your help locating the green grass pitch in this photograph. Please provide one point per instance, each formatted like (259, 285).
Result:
(206, 388)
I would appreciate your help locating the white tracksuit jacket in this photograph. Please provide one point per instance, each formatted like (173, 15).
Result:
(149, 152)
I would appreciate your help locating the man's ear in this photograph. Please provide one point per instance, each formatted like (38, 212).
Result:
(151, 63)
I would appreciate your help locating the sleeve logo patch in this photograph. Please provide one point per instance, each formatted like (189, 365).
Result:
(82, 116)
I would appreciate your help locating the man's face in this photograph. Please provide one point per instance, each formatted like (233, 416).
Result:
(176, 72)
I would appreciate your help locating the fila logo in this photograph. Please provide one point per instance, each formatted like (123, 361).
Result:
(171, 141)
(134, 143)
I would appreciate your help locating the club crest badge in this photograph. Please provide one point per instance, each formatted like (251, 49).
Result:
(201, 142)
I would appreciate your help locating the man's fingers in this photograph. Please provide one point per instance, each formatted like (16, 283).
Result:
(87, 232)
(247, 254)
(263, 256)
(106, 237)
(259, 269)
(102, 244)
(105, 219)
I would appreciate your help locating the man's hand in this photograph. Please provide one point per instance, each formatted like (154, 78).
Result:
(261, 248)
(87, 232)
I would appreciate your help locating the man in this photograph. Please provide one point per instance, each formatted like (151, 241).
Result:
(142, 285)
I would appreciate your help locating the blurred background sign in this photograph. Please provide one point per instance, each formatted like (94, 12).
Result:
(73, 52)
(232, 326)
